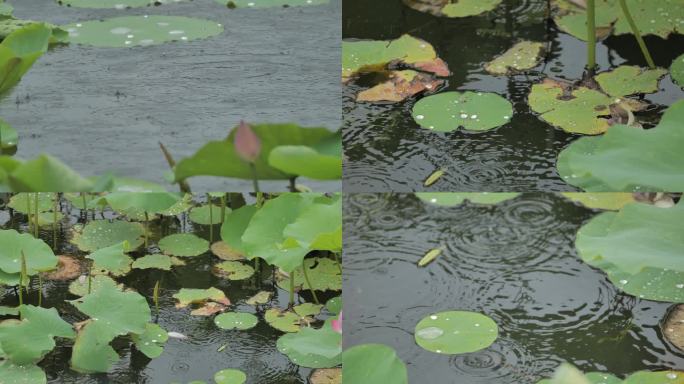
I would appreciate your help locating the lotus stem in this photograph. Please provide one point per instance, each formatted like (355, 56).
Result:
(308, 283)
(35, 214)
(293, 184)
(90, 278)
(211, 219)
(292, 288)
(183, 185)
(637, 34)
(155, 297)
(223, 207)
(85, 207)
(40, 290)
(147, 227)
(54, 222)
(591, 37)
(337, 260)
(259, 199)
(22, 278)
(28, 212)
(255, 179)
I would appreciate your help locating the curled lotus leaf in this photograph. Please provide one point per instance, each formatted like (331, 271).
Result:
(455, 332)
(183, 244)
(472, 111)
(321, 161)
(373, 363)
(99, 234)
(454, 9)
(521, 57)
(42, 174)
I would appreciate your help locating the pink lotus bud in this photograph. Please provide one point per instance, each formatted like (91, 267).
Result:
(247, 143)
(337, 324)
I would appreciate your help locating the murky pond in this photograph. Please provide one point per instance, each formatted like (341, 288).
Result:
(386, 150)
(106, 109)
(514, 262)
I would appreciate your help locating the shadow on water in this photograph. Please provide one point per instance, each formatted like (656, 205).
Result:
(514, 262)
(386, 150)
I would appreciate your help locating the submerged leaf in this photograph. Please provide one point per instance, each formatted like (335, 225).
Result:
(521, 57)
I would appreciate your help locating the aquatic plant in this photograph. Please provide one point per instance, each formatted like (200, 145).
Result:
(455, 9)
(568, 374)
(373, 363)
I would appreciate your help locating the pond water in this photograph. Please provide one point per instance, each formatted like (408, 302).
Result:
(106, 109)
(387, 151)
(196, 358)
(514, 262)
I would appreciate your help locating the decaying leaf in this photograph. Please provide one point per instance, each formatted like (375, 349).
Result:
(68, 268)
(429, 257)
(326, 376)
(521, 57)
(434, 177)
(673, 327)
(400, 86)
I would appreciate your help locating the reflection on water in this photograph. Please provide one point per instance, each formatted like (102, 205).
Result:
(514, 262)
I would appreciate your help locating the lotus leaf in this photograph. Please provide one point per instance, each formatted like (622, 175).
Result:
(151, 202)
(324, 274)
(677, 70)
(334, 305)
(455, 332)
(219, 158)
(313, 348)
(8, 135)
(629, 80)
(230, 376)
(321, 161)
(5, 9)
(27, 341)
(114, 4)
(567, 374)
(269, 3)
(113, 183)
(187, 296)
(602, 200)
(461, 8)
(100, 234)
(113, 260)
(233, 270)
(261, 297)
(201, 214)
(618, 242)
(326, 376)
(80, 287)
(319, 226)
(39, 257)
(473, 111)
(129, 31)
(22, 374)
(81, 200)
(226, 252)
(19, 51)
(151, 342)
(13, 311)
(236, 320)
(183, 244)
(153, 261)
(521, 57)
(629, 159)
(235, 225)
(373, 363)
(21, 202)
(400, 85)
(453, 199)
(286, 321)
(43, 174)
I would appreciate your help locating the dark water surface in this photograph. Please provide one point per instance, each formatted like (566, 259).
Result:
(197, 358)
(387, 151)
(105, 109)
(514, 262)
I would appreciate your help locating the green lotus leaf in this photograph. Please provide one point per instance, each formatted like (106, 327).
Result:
(187, 296)
(99, 234)
(313, 348)
(113, 259)
(8, 136)
(334, 305)
(639, 248)
(324, 275)
(10, 25)
(157, 261)
(21, 374)
(611, 201)
(629, 80)
(29, 340)
(151, 342)
(261, 297)
(269, 3)
(81, 200)
(286, 321)
(114, 4)
(373, 363)
(461, 8)
(183, 244)
(44, 174)
(521, 57)
(322, 161)
(308, 309)
(572, 19)
(201, 214)
(38, 255)
(112, 183)
(236, 320)
(319, 226)
(660, 377)
(22, 202)
(130, 31)
(226, 252)
(233, 270)
(112, 313)
(677, 70)
(454, 199)
(219, 158)
(5, 311)
(79, 287)
(629, 159)
(6, 10)
(567, 374)
(230, 376)
(455, 332)
(473, 111)
(235, 225)
(150, 202)
(19, 50)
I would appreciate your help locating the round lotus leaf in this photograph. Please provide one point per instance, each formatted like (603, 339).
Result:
(461, 8)
(452, 199)
(22, 202)
(521, 57)
(151, 342)
(456, 332)
(183, 244)
(473, 111)
(313, 348)
(153, 261)
(652, 17)
(26, 374)
(230, 376)
(115, 4)
(308, 309)
(226, 252)
(38, 255)
(373, 363)
(629, 80)
(261, 297)
(8, 135)
(611, 201)
(187, 296)
(150, 202)
(677, 70)
(129, 31)
(269, 3)
(79, 287)
(324, 274)
(100, 234)
(286, 321)
(233, 270)
(236, 320)
(202, 214)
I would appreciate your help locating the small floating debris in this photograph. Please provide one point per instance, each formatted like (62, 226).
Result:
(434, 177)
(429, 257)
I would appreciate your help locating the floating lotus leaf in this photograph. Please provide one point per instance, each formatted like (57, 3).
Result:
(521, 57)
(201, 214)
(400, 85)
(261, 297)
(226, 252)
(112, 313)
(270, 3)
(660, 377)
(187, 296)
(111, 183)
(286, 321)
(151, 342)
(308, 309)
(473, 111)
(150, 202)
(236, 320)
(640, 249)
(42, 174)
(455, 332)
(313, 348)
(80, 287)
(324, 275)
(673, 326)
(454, 199)
(100, 234)
(112, 260)
(29, 340)
(629, 159)
(230, 376)
(373, 363)
(321, 161)
(233, 270)
(235, 225)
(114, 4)
(81, 200)
(39, 256)
(334, 305)
(219, 158)
(567, 374)
(8, 135)
(183, 244)
(19, 51)
(572, 19)
(326, 376)
(21, 202)
(629, 80)
(22, 374)
(129, 31)
(611, 201)
(153, 261)
(677, 70)
(319, 226)
(461, 8)
(5, 311)
(68, 268)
